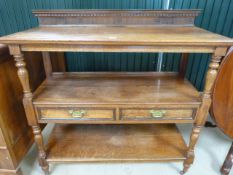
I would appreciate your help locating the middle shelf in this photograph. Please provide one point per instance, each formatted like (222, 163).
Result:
(116, 98)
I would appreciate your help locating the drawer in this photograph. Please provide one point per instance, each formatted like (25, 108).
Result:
(5, 160)
(156, 114)
(76, 113)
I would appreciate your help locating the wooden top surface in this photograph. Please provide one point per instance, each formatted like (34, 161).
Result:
(117, 88)
(118, 35)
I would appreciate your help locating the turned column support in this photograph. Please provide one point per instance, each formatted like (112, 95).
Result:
(202, 112)
(190, 153)
(27, 102)
(22, 72)
(41, 150)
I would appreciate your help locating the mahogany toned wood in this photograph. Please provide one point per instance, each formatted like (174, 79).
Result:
(227, 165)
(115, 31)
(15, 135)
(115, 143)
(222, 110)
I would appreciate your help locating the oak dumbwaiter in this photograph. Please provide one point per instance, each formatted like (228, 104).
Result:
(116, 116)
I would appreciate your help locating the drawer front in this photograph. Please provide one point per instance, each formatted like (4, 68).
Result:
(76, 113)
(5, 160)
(156, 114)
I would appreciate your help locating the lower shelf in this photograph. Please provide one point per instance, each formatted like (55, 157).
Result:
(117, 143)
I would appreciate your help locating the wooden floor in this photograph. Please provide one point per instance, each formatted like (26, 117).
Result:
(117, 143)
(117, 88)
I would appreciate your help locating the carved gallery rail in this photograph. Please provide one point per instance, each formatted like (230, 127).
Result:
(156, 101)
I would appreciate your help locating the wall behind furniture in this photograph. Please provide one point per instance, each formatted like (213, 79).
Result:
(216, 16)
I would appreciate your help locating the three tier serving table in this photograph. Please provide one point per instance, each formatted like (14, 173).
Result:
(116, 116)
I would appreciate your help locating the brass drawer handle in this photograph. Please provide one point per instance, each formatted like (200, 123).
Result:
(77, 114)
(157, 113)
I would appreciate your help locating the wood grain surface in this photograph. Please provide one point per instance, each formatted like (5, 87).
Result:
(222, 105)
(117, 88)
(145, 114)
(94, 143)
(89, 114)
(16, 136)
(118, 35)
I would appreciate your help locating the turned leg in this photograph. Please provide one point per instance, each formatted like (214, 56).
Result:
(202, 112)
(40, 145)
(190, 154)
(28, 105)
(226, 167)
